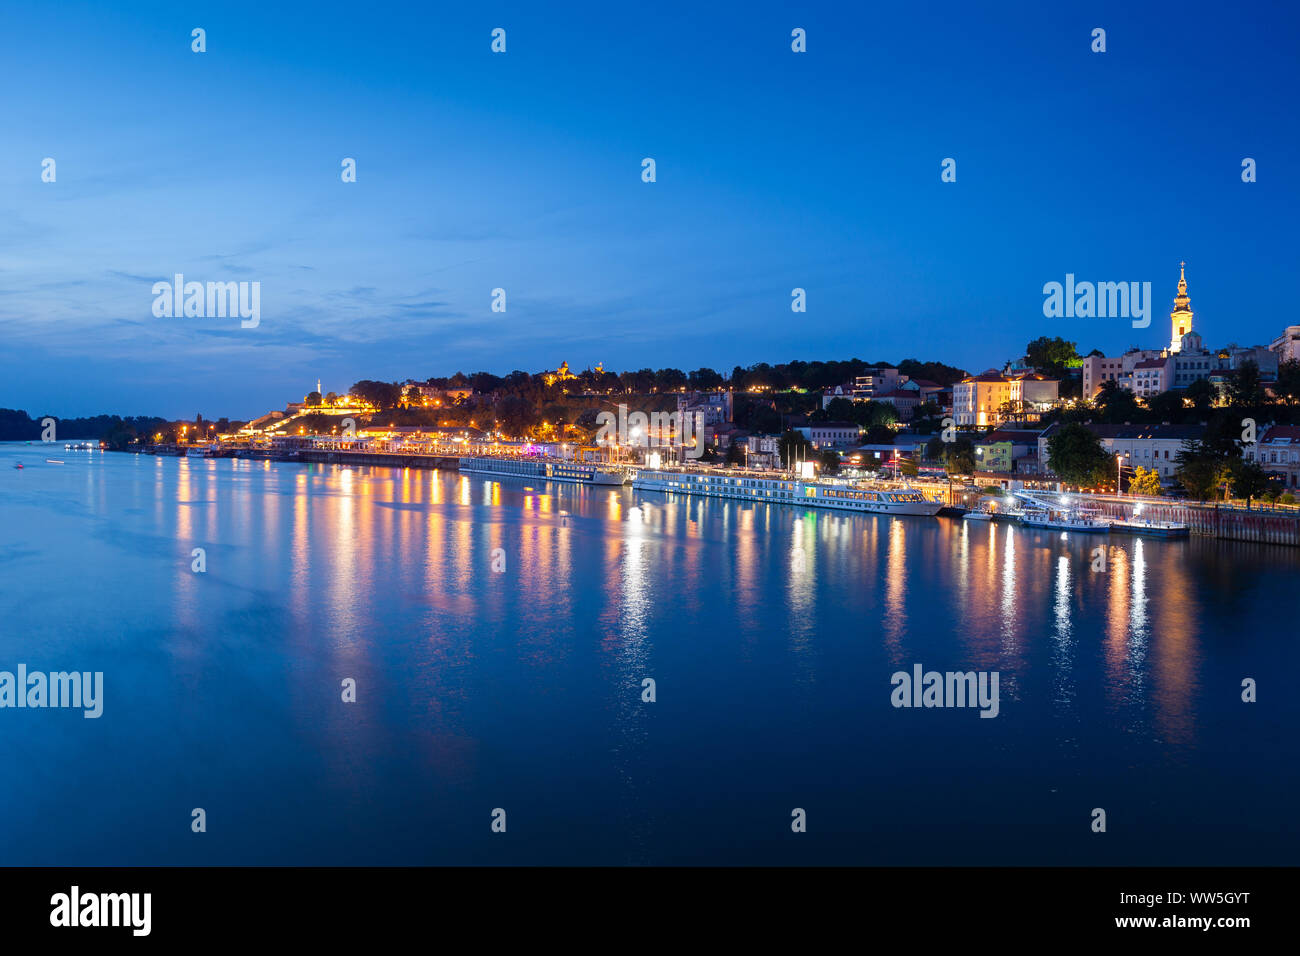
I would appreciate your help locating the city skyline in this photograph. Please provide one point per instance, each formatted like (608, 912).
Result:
(775, 170)
(576, 436)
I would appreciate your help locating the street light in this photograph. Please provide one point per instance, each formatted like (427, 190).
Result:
(1119, 471)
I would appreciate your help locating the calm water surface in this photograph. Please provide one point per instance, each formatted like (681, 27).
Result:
(771, 633)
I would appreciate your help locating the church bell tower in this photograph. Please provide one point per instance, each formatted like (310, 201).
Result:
(1181, 317)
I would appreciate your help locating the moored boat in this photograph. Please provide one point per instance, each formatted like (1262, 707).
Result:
(781, 488)
(549, 469)
(1154, 529)
(1064, 521)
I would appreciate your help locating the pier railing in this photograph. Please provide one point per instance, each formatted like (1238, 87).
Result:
(1215, 519)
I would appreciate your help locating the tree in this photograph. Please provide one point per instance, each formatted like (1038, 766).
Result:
(670, 379)
(927, 409)
(1167, 406)
(908, 466)
(875, 413)
(1015, 411)
(758, 417)
(1288, 381)
(1076, 454)
(838, 410)
(705, 379)
(829, 460)
(1222, 437)
(641, 382)
(880, 435)
(735, 453)
(313, 398)
(936, 372)
(1050, 354)
(1202, 394)
(959, 457)
(793, 447)
(1116, 405)
(515, 416)
(1245, 389)
(927, 418)
(1247, 479)
(1145, 481)
(379, 394)
(1198, 470)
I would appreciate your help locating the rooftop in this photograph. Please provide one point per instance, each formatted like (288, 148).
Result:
(1128, 431)
(1282, 434)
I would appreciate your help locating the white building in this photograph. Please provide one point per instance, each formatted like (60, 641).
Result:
(715, 407)
(1151, 377)
(1118, 369)
(1278, 452)
(1144, 446)
(1287, 345)
(831, 434)
(877, 381)
(983, 400)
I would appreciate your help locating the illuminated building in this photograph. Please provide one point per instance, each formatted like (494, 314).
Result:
(1181, 317)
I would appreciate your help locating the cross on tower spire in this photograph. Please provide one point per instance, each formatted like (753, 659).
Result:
(1181, 317)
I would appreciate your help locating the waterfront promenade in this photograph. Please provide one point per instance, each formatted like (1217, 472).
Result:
(1260, 523)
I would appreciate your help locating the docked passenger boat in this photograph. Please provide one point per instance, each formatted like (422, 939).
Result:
(765, 487)
(1054, 520)
(1154, 529)
(978, 516)
(547, 469)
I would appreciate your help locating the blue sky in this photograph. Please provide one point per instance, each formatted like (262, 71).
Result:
(475, 171)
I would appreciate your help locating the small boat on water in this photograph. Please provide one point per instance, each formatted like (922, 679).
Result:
(1136, 524)
(1040, 511)
(19, 465)
(1064, 521)
(978, 516)
(1155, 529)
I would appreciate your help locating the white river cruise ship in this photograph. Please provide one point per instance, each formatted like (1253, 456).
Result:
(842, 495)
(545, 469)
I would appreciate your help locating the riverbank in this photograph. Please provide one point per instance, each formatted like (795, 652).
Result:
(1229, 523)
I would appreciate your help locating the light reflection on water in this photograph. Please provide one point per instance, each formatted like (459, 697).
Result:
(771, 632)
